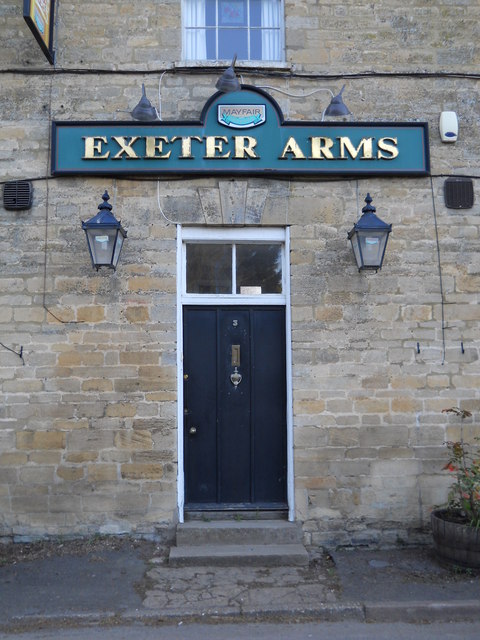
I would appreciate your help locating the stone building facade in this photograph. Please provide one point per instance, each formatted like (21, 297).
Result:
(91, 364)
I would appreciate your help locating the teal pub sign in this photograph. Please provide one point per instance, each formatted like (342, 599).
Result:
(240, 133)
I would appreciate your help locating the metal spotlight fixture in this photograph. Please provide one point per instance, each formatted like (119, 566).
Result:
(228, 81)
(337, 107)
(105, 236)
(144, 110)
(369, 238)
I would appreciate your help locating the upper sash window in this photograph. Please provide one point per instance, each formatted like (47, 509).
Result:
(219, 29)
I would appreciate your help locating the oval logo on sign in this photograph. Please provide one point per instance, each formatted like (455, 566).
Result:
(241, 116)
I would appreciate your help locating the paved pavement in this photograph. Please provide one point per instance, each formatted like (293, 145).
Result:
(134, 583)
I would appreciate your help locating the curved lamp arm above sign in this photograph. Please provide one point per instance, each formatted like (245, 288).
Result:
(336, 107)
(228, 81)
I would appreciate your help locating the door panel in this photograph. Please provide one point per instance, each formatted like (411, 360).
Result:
(200, 385)
(269, 404)
(236, 454)
(233, 424)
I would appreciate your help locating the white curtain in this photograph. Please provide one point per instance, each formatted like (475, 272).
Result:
(195, 40)
(271, 44)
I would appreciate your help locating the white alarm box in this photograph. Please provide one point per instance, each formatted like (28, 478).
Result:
(448, 126)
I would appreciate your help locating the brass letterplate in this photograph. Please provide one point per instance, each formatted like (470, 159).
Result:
(235, 355)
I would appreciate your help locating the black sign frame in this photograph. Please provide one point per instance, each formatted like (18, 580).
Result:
(48, 51)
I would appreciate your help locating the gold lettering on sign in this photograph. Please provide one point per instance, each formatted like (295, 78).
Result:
(244, 145)
(390, 146)
(365, 147)
(292, 147)
(321, 148)
(212, 147)
(186, 146)
(93, 148)
(154, 144)
(125, 147)
(244, 148)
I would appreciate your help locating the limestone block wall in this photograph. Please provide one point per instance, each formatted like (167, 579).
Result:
(88, 425)
(322, 37)
(374, 363)
(88, 419)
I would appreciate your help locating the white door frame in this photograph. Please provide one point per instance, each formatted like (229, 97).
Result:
(231, 234)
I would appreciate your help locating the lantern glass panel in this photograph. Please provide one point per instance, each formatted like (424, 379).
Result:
(356, 250)
(373, 245)
(118, 248)
(101, 242)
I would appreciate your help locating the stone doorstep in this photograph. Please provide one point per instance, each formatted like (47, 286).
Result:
(224, 543)
(236, 515)
(233, 543)
(239, 532)
(270, 555)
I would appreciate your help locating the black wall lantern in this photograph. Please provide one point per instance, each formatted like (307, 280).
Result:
(105, 236)
(369, 238)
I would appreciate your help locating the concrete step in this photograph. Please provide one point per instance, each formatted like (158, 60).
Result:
(239, 532)
(242, 542)
(239, 555)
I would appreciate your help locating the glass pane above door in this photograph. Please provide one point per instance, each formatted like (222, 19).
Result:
(259, 269)
(209, 268)
(237, 269)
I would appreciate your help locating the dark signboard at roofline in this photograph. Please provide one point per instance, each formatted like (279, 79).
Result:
(241, 133)
(39, 15)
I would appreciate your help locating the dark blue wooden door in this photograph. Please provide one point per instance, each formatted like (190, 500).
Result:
(235, 407)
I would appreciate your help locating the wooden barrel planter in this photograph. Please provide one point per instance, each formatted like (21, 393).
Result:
(457, 543)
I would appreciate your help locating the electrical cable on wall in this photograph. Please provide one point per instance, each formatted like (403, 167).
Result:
(319, 180)
(17, 353)
(55, 44)
(159, 110)
(358, 204)
(439, 270)
(160, 206)
(269, 73)
(47, 202)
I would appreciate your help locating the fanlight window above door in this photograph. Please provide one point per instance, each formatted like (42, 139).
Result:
(244, 268)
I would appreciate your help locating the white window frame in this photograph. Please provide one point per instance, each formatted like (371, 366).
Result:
(251, 235)
(262, 61)
(230, 237)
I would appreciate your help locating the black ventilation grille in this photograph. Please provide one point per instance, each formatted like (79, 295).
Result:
(458, 193)
(17, 195)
